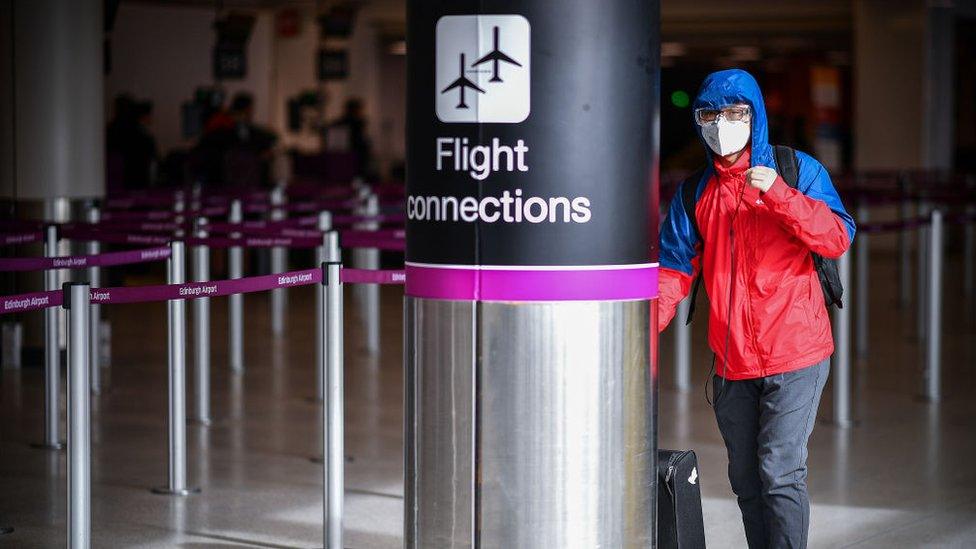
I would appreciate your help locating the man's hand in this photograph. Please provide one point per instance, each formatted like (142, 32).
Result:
(761, 177)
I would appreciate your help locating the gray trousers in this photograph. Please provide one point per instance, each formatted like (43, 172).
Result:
(766, 423)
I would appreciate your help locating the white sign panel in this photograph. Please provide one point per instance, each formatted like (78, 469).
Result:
(482, 72)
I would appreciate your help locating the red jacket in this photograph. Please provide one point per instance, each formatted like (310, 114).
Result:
(764, 293)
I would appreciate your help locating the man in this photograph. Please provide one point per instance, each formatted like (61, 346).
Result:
(348, 134)
(768, 325)
(238, 154)
(130, 142)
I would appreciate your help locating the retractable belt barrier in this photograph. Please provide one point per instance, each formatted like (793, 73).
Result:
(21, 238)
(108, 259)
(32, 301)
(349, 239)
(79, 298)
(256, 202)
(163, 221)
(218, 288)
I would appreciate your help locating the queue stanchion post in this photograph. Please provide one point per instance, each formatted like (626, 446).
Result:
(179, 203)
(968, 252)
(371, 292)
(77, 302)
(924, 210)
(196, 196)
(332, 412)
(904, 253)
(201, 327)
(52, 352)
(95, 280)
(933, 349)
(179, 209)
(279, 264)
(862, 250)
(359, 254)
(682, 346)
(332, 254)
(327, 252)
(12, 345)
(842, 350)
(176, 312)
(235, 303)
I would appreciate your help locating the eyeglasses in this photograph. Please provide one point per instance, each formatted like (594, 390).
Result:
(732, 114)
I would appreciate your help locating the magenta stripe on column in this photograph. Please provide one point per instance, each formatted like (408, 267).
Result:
(532, 284)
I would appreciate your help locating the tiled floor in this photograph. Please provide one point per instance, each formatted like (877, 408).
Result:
(902, 477)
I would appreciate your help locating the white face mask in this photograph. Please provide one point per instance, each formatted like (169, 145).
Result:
(726, 137)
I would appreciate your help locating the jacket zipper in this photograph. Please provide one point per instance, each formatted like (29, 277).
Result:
(748, 309)
(752, 326)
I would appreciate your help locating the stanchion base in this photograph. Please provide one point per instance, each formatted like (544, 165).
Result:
(166, 491)
(45, 446)
(320, 459)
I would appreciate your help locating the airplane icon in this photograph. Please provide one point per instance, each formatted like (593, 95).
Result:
(461, 83)
(496, 55)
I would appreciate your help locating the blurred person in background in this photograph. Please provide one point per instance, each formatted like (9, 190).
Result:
(235, 151)
(348, 134)
(130, 144)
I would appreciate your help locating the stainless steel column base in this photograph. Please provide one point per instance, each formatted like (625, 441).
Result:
(529, 424)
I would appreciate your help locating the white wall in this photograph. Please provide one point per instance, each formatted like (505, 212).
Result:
(370, 79)
(163, 53)
(392, 127)
(888, 73)
(294, 59)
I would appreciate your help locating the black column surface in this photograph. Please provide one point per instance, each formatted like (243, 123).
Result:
(583, 154)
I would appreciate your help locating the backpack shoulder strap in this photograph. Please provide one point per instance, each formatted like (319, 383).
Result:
(689, 198)
(787, 165)
(689, 191)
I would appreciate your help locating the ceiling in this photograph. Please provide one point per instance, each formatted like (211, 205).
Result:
(703, 27)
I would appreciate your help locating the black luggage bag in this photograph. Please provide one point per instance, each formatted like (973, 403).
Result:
(679, 510)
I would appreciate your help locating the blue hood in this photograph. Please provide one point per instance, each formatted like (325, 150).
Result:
(723, 88)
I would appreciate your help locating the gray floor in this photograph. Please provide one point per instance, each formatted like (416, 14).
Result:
(902, 477)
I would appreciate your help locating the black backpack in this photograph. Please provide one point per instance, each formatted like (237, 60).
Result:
(789, 170)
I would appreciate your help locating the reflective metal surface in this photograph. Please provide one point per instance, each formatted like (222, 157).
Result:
(79, 418)
(841, 359)
(933, 349)
(235, 302)
(176, 321)
(333, 436)
(201, 340)
(95, 280)
(52, 352)
(279, 264)
(439, 356)
(528, 424)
